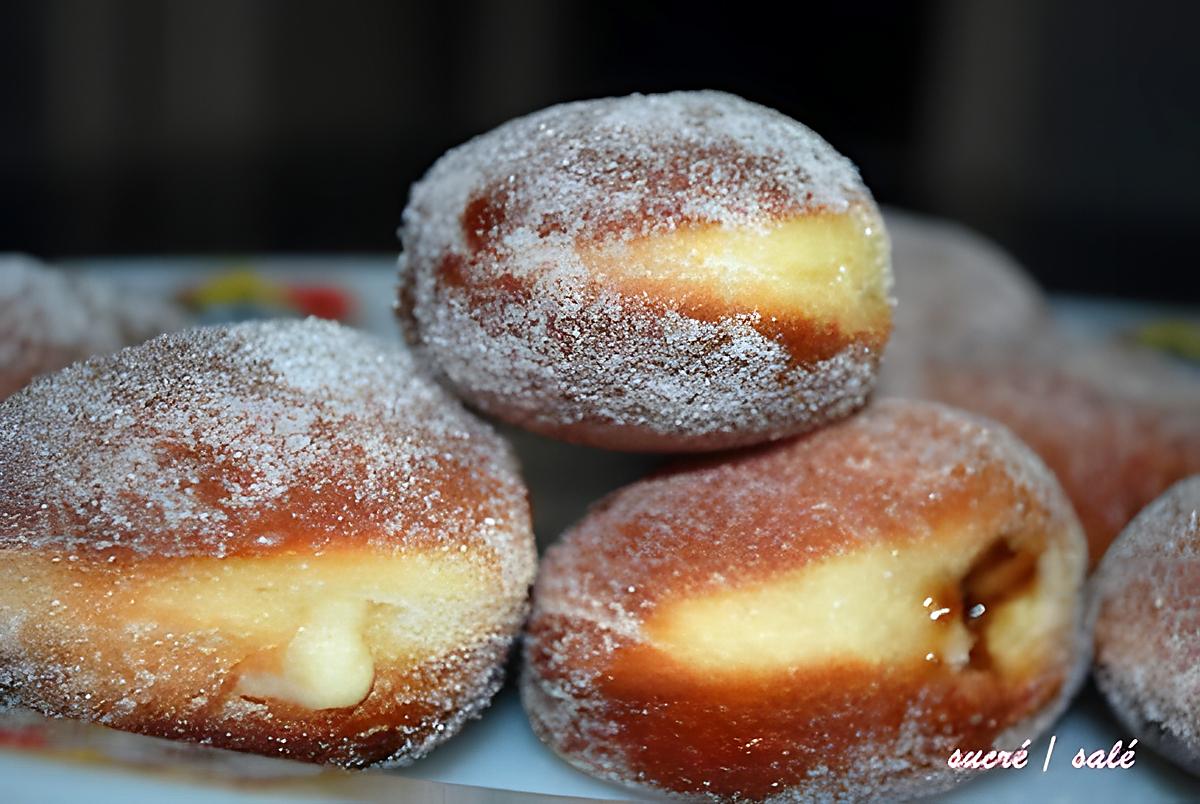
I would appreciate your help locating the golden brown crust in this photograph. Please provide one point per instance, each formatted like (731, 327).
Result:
(1114, 452)
(92, 656)
(756, 738)
(173, 516)
(604, 691)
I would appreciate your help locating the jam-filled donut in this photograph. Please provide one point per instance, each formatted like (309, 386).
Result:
(270, 537)
(1117, 425)
(668, 272)
(49, 319)
(828, 617)
(1147, 595)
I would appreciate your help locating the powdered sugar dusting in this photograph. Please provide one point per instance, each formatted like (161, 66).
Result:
(1148, 629)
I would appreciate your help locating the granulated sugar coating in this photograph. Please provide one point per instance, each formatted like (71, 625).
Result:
(275, 537)
(1117, 425)
(827, 618)
(665, 272)
(49, 320)
(1147, 596)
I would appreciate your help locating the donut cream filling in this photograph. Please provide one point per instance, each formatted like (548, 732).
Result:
(327, 663)
(309, 629)
(827, 266)
(959, 603)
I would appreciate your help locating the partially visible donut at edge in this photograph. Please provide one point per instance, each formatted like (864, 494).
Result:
(1117, 425)
(675, 272)
(271, 537)
(1147, 598)
(956, 291)
(49, 318)
(829, 617)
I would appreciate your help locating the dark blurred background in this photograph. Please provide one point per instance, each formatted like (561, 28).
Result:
(1067, 130)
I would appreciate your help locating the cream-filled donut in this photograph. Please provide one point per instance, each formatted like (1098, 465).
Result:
(271, 537)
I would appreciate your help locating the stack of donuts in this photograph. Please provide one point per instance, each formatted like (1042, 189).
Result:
(293, 539)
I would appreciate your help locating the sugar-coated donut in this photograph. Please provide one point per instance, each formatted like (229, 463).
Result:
(49, 319)
(670, 272)
(271, 537)
(1117, 425)
(1147, 597)
(954, 290)
(827, 617)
